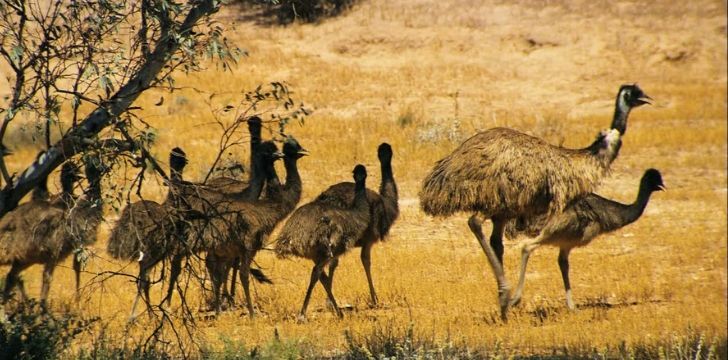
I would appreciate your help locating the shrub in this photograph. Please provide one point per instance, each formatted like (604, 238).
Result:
(31, 332)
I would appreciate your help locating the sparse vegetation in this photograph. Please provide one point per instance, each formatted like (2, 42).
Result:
(659, 289)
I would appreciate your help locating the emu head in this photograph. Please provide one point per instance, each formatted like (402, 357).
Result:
(631, 96)
(94, 168)
(652, 181)
(177, 159)
(292, 149)
(269, 152)
(360, 174)
(255, 124)
(70, 173)
(384, 152)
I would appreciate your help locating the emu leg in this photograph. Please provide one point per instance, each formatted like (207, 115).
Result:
(564, 267)
(143, 284)
(327, 282)
(366, 253)
(216, 269)
(234, 280)
(475, 222)
(46, 286)
(175, 270)
(315, 276)
(245, 280)
(526, 251)
(332, 268)
(77, 272)
(13, 279)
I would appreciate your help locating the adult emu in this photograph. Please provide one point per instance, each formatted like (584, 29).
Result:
(383, 211)
(581, 222)
(322, 231)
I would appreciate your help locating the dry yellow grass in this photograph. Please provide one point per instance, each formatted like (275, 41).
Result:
(551, 69)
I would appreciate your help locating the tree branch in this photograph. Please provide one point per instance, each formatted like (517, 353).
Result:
(104, 115)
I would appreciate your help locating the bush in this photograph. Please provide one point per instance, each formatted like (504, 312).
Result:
(308, 11)
(31, 332)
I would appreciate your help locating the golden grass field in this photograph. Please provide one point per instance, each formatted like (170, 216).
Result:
(424, 75)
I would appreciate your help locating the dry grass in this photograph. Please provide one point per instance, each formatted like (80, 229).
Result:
(551, 70)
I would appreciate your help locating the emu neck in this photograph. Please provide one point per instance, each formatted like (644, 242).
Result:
(252, 192)
(627, 214)
(175, 175)
(255, 141)
(273, 184)
(67, 190)
(635, 210)
(40, 192)
(293, 178)
(388, 187)
(94, 191)
(360, 196)
(621, 113)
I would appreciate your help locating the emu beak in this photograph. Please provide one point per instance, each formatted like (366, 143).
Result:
(303, 152)
(643, 99)
(278, 155)
(661, 187)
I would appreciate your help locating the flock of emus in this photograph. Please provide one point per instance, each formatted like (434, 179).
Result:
(521, 183)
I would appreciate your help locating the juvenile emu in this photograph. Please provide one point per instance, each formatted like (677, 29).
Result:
(36, 218)
(502, 174)
(249, 223)
(41, 232)
(581, 222)
(383, 211)
(150, 232)
(322, 231)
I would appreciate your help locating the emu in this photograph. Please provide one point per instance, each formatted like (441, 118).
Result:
(582, 221)
(383, 211)
(149, 232)
(41, 232)
(322, 231)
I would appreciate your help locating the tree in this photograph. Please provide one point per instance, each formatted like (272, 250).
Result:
(103, 52)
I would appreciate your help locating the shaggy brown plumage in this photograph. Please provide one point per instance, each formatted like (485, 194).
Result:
(150, 232)
(501, 174)
(518, 174)
(42, 232)
(581, 222)
(383, 211)
(322, 231)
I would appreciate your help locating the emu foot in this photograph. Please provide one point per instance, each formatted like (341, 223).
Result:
(515, 301)
(504, 296)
